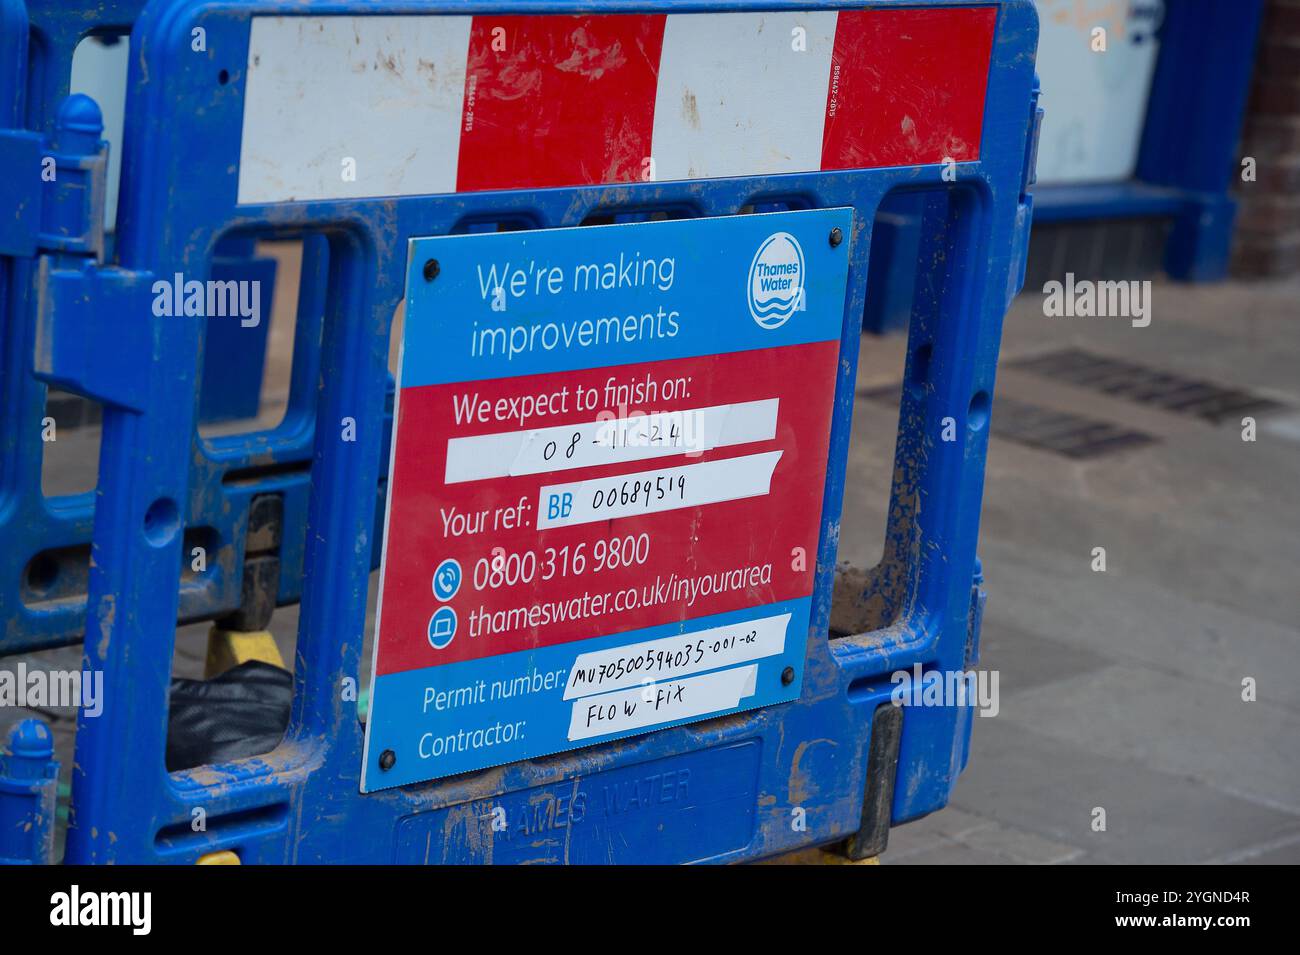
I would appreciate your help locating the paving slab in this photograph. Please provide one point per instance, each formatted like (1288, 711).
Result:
(1050, 787)
(1189, 728)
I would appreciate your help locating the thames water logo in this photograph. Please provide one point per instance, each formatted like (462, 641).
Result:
(776, 280)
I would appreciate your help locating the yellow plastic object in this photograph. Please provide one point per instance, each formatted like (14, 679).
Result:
(222, 857)
(230, 648)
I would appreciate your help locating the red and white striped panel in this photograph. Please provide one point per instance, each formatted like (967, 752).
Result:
(350, 107)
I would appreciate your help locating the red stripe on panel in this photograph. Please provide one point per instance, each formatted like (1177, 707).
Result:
(558, 100)
(907, 87)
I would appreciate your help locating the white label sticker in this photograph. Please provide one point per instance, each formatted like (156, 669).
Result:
(609, 441)
(651, 492)
(616, 667)
(657, 703)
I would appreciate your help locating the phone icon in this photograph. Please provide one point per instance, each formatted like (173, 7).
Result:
(446, 579)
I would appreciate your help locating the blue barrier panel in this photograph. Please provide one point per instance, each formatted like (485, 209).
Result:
(45, 557)
(381, 123)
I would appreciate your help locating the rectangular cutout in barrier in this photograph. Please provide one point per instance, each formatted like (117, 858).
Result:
(248, 350)
(520, 616)
(69, 442)
(99, 65)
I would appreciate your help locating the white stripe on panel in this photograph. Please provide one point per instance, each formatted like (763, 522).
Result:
(385, 93)
(742, 94)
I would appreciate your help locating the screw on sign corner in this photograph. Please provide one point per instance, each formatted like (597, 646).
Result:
(387, 759)
(787, 676)
(837, 236)
(431, 269)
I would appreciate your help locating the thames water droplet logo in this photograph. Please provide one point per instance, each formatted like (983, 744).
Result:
(776, 280)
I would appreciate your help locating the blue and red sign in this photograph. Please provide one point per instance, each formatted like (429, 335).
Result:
(606, 488)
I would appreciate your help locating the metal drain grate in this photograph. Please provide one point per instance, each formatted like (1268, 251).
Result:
(1124, 379)
(1061, 432)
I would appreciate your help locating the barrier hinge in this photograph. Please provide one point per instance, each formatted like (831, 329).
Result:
(1025, 207)
(54, 188)
(1029, 174)
(94, 330)
(975, 617)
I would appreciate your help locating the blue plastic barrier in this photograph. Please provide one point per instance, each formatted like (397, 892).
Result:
(45, 557)
(840, 763)
(29, 776)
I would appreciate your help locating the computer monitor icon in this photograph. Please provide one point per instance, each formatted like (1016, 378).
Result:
(442, 628)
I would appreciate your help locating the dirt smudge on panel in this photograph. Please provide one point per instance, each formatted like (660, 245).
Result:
(690, 109)
(801, 787)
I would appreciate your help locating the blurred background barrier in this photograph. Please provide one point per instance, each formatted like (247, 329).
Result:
(1138, 160)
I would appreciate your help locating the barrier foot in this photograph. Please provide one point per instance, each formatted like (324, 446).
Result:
(882, 768)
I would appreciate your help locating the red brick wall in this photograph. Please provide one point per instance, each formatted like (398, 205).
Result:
(1268, 222)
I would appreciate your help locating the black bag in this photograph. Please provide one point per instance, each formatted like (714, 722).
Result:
(243, 712)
